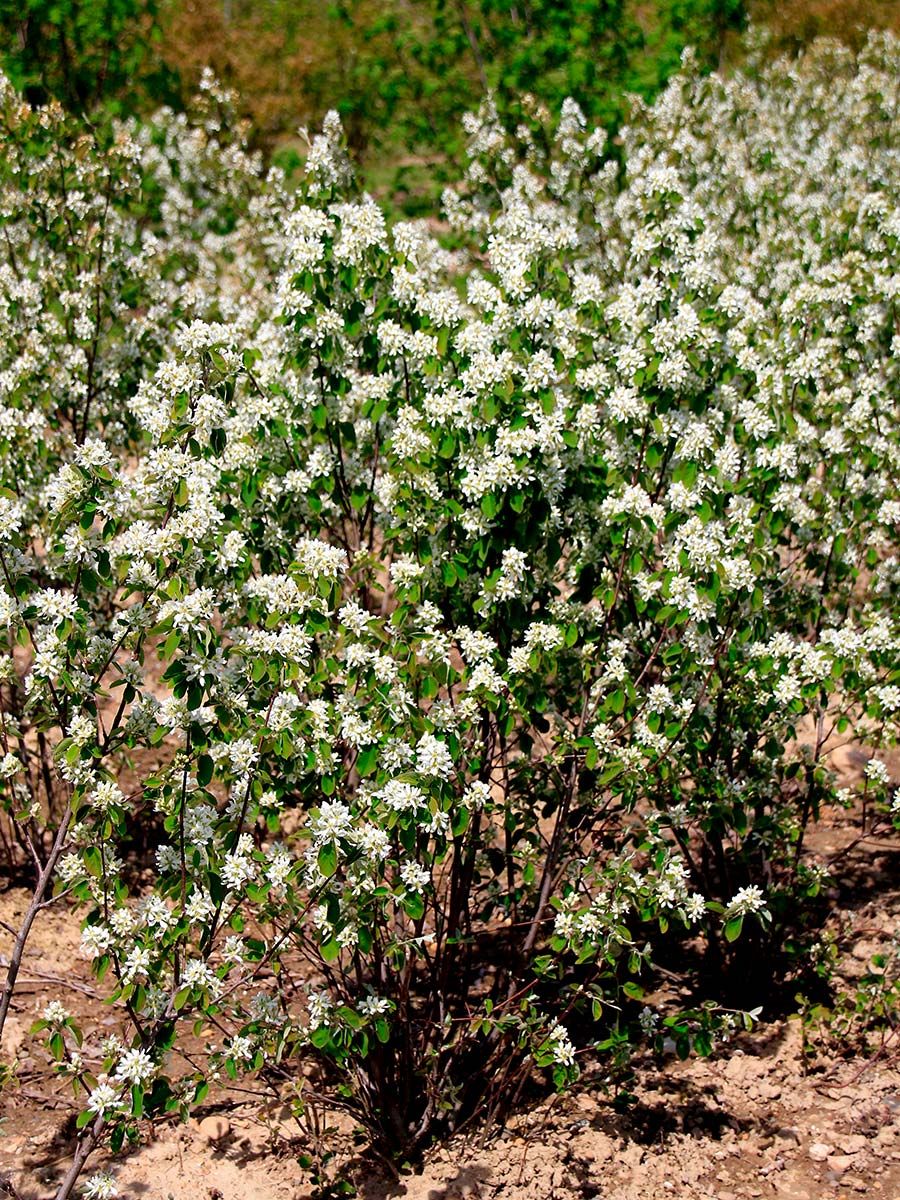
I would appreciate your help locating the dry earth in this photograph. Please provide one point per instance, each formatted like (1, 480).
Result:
(752, 1123)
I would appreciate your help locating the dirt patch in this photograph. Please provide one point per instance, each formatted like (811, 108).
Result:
(757, 1121)
(751, 1126)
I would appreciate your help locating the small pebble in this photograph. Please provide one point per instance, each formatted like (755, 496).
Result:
(215, 1129)
(819, 1151)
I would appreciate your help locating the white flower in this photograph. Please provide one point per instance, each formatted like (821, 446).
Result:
(106, 794)
(101, 1186)
(648, 1021)
(199, 907)
(240, 1048)
(136, 965)
(477, 795)
(374, 1006)
(104, 1099)
(319, 560)
(877, 772)
(320, 1007)
(695, 907)
(95, 939)
(746, 900)
(433, 758)
(197, 974)
(331, 822)
(56, 1014)
(9, 766)
(135, 1067)
(561, 1045)
(237, 871)
(402, 797)
(414, 877)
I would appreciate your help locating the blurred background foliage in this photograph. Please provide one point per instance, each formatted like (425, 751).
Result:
(400, 72)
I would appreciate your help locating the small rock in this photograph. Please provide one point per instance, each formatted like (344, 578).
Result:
(13, 1036)
(853, 1181)
(852, 1143)
(586, 1103)
(840, 1162)
(863, 951)
(736, 1067)
(215, 1129)
(592, 1147)
(819, 1151)
(788, 1134)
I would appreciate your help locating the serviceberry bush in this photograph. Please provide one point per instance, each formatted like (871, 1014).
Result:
(419, 634)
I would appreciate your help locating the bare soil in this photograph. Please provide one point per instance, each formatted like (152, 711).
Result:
(756, 1121)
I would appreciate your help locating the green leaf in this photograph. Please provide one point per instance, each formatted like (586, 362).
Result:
(205, 768)
(330, 950)
(461, 822)
(367, 760)
(733, 929)
(328, 859)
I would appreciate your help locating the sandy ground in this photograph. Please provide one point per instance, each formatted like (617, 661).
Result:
(753, 1123)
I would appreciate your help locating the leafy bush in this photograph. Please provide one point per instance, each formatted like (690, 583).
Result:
(85, 52)
(462, 631)
(400, 74)
(862, 1019)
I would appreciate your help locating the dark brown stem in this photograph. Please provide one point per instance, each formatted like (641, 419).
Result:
(86, 1147)
(37, 902)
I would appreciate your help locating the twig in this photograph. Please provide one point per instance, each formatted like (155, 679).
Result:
(85, 1148)
(33, 909)
(72, 984)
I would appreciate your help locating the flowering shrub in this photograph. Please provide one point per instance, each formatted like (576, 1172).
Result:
(457, 634)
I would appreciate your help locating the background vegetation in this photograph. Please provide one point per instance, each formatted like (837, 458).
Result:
(400, 72)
